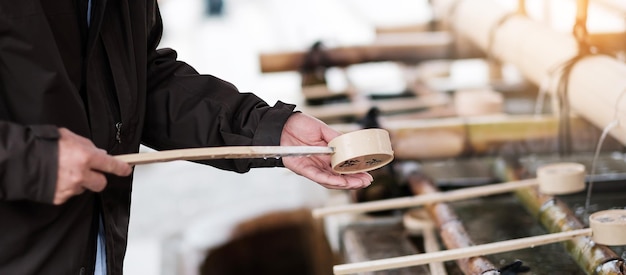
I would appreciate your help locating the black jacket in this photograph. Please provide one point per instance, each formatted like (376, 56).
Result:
(110, 84)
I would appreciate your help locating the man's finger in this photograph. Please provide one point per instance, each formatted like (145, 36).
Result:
(62, 196)
(94, 181)
(108, 164)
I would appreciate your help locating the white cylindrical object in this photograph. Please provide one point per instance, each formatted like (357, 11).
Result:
(361, 151)
(596, 91)
(478, 102)
(609, 227)
(596, 82)
(561, 178)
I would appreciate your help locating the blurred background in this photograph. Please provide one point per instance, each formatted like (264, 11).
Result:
(183, 212)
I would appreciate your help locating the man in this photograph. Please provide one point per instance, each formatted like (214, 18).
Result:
(81, 81)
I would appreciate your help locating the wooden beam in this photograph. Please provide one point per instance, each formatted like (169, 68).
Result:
(359, 108)
(412, 47)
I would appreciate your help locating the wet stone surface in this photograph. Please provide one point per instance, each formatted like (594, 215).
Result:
(503, 217)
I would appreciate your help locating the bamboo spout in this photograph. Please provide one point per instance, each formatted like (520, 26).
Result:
(596, 83)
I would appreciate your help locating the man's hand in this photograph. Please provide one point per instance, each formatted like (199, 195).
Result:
(304, 130)
(82, 166)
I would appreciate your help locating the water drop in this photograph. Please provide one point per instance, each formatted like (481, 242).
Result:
(579, 211)
(541, 95)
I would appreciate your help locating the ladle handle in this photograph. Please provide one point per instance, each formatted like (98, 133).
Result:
(459, 253)
(405, 202)
(225, 152)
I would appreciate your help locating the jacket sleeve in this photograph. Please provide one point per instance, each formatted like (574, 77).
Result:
(186, 110)
(28, 162)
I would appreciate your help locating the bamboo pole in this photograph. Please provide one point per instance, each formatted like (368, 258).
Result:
(596, 82)
(555, 216)
(450, 137)
(451, 229)
(454, 137)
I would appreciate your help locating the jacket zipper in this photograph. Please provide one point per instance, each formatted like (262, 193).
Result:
(117, 116)
(118, 133)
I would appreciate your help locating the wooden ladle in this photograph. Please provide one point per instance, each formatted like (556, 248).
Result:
(552, 179)
(606, 227)
(353, 152)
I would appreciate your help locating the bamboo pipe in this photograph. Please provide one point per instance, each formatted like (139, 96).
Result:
(450, 137)
(451, 229)
(459, 253)
(528, 44)
(537, 50)
(453, 137)
(596, 89)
